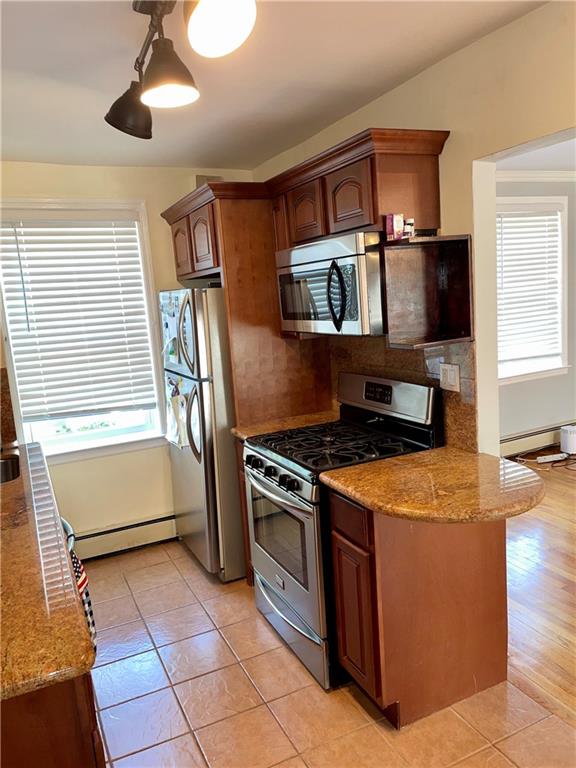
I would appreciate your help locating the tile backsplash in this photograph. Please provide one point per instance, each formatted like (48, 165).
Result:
(371, 356)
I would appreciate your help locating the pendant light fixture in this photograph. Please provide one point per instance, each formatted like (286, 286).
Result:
(217, 27)
(129, 115)
(167, 82)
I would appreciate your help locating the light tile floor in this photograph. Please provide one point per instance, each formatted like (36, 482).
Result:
(188, 676)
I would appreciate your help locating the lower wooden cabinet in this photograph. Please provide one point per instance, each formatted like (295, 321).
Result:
(355, 612)
(420, 607)
(53, 727)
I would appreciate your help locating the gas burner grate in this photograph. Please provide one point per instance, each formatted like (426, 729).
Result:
(334, 444)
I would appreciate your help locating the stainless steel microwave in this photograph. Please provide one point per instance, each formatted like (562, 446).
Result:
(332, 286)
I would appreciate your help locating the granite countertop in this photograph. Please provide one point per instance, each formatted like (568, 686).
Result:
(289, 422)
(443, 485)
(44, 635)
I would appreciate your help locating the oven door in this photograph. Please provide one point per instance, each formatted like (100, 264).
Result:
(324, 296)
(285, 541)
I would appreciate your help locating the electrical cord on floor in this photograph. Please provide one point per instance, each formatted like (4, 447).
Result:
(568, 463)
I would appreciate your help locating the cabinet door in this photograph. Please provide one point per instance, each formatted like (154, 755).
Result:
(356, 621)
(280, 221)
(306, 212)
(349, 197)
(182, 247)
(203, 238)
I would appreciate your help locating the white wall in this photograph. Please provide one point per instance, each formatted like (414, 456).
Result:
(530, 406)
(121, 489)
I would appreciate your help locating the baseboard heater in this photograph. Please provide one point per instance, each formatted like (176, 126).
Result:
(531, 441)
(124, 537)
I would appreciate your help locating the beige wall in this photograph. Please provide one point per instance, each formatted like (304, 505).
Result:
(96, 493)
(512, 86)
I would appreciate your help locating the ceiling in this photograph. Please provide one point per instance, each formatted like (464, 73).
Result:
(557, 157)
(306, 65)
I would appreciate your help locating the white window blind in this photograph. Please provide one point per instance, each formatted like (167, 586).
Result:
(529, 250)
(75, 305)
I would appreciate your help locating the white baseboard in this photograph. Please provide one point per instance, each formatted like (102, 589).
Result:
(114, 541)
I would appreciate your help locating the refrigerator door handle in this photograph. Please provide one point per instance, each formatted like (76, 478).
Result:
(181, 341)
(193, 396)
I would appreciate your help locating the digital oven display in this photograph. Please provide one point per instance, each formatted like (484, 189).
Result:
(378, 393)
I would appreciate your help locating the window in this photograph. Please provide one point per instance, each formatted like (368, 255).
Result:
(531, 274)
(78, 322)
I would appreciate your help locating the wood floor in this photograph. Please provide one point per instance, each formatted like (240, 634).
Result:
(542, 597)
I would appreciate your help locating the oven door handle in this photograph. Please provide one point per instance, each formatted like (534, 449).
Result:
(338, 320)
(299, 511)
(264, 590)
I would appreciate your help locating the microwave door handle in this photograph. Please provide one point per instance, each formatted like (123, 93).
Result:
(338, 320)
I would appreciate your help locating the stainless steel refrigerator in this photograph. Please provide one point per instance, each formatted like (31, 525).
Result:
(200, 414)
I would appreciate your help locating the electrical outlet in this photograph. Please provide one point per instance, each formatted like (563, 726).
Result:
(450, 377)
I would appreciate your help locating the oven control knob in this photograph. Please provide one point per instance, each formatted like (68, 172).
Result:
(249, 459)
(283, 480)
(256, 463)
(270, 471)
(292, 484)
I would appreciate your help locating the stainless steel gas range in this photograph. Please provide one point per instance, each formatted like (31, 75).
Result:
(379, 419)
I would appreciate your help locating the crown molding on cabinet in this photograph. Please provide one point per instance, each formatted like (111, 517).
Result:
(215, 190)
(391, 141)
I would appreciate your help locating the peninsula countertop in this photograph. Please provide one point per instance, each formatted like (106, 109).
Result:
(442, 485)
(44, 635)
(289, 422)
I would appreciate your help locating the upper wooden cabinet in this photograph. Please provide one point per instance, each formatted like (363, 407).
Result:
(203, 238)
(182, 247)
(349, 199)
(354, 184)
(280, 220)
(306, 212)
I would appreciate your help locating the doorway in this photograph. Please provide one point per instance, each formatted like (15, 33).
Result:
(525, 302)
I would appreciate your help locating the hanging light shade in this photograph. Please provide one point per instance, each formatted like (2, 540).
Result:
(218, 27)
(129, 115)
(167, 81)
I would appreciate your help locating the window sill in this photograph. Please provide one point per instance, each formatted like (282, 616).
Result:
(534, 376)
(127, 445)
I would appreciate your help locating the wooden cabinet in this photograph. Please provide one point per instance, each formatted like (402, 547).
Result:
(349, 198)
(357, 630)
(420, 607)
(182, 247)
(354, 184)
(280, 220)
(427, 291)
(203, 238)
(306, 212)
(55, 727)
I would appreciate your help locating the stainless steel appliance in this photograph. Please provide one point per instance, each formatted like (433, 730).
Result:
(332, 286)
(379, 419)
(200, 414)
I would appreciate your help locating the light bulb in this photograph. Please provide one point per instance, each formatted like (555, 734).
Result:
(218, 27)
(170, 95)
